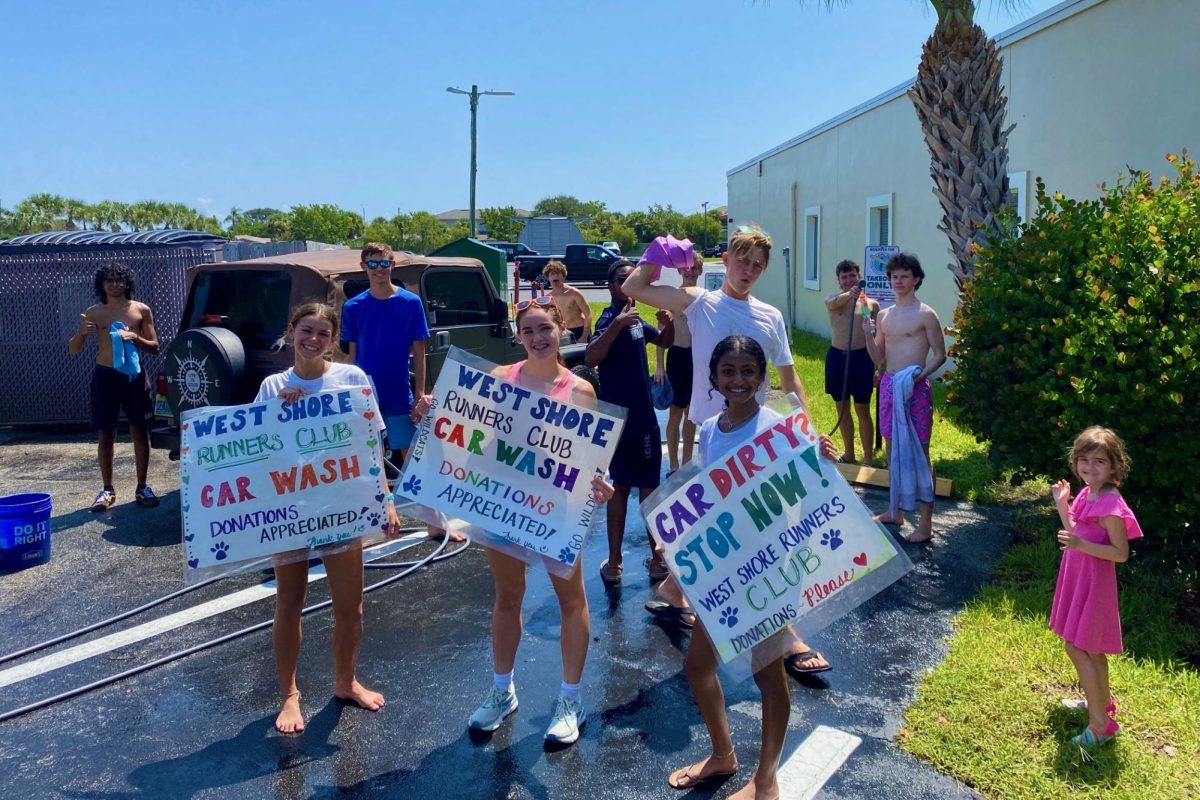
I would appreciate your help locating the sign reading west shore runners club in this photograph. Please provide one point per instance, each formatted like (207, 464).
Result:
(879, 286)
(769, 535)
(265, 478)
(510, 459)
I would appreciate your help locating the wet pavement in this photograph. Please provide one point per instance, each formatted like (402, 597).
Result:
(202, 726)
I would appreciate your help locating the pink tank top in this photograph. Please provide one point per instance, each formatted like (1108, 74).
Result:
(560, 390)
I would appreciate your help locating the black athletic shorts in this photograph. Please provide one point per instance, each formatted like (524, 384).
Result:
(637, 461)
(862, 375)
(577, 333)
(679, 373)
(112, 391)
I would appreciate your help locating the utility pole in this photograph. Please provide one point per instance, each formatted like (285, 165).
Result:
(704, 230)
(474, 95)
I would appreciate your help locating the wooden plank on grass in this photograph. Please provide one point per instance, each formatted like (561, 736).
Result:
(871, 476)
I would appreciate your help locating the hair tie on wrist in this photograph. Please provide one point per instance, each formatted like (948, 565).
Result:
(389, 497)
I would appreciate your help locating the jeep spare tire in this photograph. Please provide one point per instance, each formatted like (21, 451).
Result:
(204, 367)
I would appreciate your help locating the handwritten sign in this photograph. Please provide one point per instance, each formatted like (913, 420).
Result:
(879, 286)
(509, 459)
(769, 535)
(268, 477)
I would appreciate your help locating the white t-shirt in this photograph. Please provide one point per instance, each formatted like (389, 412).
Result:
(714, 442)
(338, 376)
(714, 315)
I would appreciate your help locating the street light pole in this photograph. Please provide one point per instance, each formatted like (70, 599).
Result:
(474, 95)
(704, 229)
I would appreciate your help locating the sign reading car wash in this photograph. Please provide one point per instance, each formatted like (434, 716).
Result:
(269, 477)
(875, 259)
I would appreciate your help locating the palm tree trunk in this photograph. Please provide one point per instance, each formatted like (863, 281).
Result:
(961, 106)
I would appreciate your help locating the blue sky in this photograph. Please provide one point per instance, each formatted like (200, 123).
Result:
(216, 103)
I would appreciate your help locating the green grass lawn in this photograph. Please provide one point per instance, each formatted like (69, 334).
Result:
(989, 713)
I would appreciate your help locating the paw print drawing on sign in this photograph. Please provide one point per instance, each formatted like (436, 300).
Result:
(373, 519)
(833, 539)
(729, 616)
(412, 486)
(566, 555)
(221, 550)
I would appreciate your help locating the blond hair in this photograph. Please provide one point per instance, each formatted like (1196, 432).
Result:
(747, 237)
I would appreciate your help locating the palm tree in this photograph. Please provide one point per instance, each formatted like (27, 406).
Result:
(961, 106)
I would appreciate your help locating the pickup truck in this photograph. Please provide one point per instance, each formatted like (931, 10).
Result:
(512, 250)
(231, 334)
(586, 263)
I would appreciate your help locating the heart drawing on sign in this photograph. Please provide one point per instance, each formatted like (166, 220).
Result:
(861, 559)
(366, 392)
(193, 562)
(368, 415)
(184, 426)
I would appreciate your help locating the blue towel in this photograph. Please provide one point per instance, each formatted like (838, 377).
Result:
(910, 479)
(125, 354)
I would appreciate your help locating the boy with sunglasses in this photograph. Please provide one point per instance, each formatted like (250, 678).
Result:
(385, 326)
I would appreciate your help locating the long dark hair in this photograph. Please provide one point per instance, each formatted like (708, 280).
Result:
(735, 344)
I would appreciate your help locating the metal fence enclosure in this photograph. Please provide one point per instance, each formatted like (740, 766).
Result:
(42, 295)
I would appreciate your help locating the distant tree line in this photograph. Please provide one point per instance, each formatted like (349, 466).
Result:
(418, 231)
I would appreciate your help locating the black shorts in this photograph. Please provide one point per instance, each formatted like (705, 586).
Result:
(862, 375)
(113, 391)
(637, 461)
(577, 333)
(679, 373)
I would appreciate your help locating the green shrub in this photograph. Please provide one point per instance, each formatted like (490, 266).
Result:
(1091, 316)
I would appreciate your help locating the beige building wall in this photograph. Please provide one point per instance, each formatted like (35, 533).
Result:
(1093, 85)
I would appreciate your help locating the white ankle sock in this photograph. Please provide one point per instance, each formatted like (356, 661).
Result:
(503, 682)
(569, 690)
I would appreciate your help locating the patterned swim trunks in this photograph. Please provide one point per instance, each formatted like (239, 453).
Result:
(920, 408)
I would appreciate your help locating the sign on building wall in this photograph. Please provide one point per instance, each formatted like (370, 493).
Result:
(875, 259)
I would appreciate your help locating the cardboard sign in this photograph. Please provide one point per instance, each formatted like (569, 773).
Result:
(769, 535)
(875, 259)
(269, 477)
(510, 459)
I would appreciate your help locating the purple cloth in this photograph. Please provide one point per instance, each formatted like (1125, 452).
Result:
(667, 251)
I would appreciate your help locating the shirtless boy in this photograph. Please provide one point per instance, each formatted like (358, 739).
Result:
(679, 373)
(576, 313)
(113, 389)
(848, 343)
(905, 336)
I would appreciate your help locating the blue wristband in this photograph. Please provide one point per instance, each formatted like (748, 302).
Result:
(389, 497)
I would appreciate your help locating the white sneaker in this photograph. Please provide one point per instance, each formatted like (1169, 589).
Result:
(495, 707)
(564, 725)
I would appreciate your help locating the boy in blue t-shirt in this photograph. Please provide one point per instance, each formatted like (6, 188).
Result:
(380, 324)
(618, 348)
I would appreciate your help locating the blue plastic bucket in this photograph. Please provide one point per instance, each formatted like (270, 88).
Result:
(24, 530)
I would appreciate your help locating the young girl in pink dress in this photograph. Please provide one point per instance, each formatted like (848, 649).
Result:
(1097, 528)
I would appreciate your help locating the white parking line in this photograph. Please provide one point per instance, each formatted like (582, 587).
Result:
(179, 619)
(814, 762)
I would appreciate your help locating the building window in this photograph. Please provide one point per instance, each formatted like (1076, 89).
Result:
(879, 219)
(1018, 182)
(812, 248)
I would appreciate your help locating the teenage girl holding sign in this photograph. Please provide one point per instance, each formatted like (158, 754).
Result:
(312, 333)
(736, 369)
(539, 328)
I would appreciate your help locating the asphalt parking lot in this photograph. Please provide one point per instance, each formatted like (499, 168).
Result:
(201, 726)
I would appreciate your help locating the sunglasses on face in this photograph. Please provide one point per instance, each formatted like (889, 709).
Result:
(384, 264)
(544, 301)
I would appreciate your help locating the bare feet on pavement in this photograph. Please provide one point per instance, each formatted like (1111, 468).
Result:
(361, 696)
(290, 719)
(442, 533)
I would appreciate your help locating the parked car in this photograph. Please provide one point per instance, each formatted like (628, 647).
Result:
(235, 315)
(586, 263)
(616, 248)
(715, 250)
(512, 249)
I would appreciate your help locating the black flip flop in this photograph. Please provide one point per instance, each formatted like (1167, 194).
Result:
(668, 613)
(793, 664)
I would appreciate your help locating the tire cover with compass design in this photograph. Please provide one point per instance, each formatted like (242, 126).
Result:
(204, 367)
